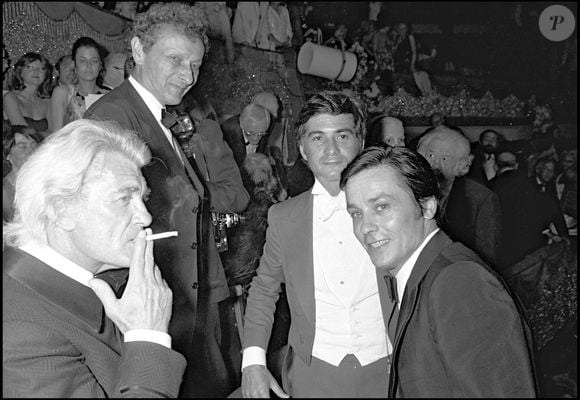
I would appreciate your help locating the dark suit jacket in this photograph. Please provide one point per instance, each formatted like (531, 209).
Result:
(57, 341)
(459, 332)
(473, 217)
(174, 204)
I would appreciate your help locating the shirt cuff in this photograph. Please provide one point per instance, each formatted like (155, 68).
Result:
(253, 355)
(148, 335)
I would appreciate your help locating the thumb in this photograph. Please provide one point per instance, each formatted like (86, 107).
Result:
(103, 292)
(278, 390)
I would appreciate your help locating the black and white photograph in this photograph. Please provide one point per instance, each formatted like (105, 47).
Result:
(317, 199)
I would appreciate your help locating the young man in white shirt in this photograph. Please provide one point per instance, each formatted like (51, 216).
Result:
(337, 345)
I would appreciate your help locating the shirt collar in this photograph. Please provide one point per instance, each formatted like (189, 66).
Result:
(405, 272)
(150, 100)
(58, 262)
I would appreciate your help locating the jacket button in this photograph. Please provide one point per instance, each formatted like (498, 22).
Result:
(195, 285)
(194, 245)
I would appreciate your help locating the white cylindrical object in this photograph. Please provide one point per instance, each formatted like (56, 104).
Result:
(326, 62)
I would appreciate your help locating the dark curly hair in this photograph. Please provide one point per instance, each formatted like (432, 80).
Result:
(27, 59)
(187, 19)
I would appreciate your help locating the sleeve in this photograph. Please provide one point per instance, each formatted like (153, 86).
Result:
(479, 333)
(265, 289)
(43, 363)
(226, 190)
(488, 229)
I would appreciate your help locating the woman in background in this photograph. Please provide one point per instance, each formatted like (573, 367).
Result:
(18, 144)
(28, 103)
(68, 101)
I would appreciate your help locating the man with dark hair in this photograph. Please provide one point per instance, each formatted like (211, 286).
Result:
(456, 330)
(484, 166)
(168, 47)
(337, 344)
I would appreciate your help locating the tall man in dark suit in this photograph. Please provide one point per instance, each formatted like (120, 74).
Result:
(455, 327)
(168, 46)
(470, 212)
(80, 215)
(337, 345)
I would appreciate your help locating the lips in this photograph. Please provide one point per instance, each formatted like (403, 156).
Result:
(378, 243)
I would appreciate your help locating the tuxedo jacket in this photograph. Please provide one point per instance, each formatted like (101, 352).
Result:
(286, 258)
(459, 331)
(473, 217)
(174, 203)
(58, 342)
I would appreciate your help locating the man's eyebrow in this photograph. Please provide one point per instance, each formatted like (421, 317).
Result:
(335, 131)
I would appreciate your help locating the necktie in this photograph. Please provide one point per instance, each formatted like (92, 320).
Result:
(330, 204)
(116, 278)
(391, 283)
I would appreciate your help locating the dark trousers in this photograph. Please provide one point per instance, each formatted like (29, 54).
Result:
(349, 379)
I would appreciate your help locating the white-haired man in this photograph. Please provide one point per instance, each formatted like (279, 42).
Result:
(470, 212)
(80, 215)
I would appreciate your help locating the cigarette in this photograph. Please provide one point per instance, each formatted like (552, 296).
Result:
(161, 235)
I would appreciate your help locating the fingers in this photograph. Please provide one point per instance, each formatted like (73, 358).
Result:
(103, 292)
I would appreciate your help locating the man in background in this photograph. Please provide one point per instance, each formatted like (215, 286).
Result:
(470, 212)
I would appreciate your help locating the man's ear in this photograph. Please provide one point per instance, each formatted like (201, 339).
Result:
(302, 152)
(464, 165)
(429, 207)
(137, 50)
(62, 216)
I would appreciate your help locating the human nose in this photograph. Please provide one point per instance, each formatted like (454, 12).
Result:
(188, 75)
(331, 147)
(368, 224)
(142, 216)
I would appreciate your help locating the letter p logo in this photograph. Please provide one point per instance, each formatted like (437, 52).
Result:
(557, 23)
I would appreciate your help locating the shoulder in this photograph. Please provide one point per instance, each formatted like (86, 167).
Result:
(10, 98)
(62, 91)
(291, 205)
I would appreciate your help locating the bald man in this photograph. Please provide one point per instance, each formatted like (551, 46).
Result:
(470, 211)
(246, 133)
(384, 129)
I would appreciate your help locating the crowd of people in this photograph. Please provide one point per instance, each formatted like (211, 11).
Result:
(374, 266)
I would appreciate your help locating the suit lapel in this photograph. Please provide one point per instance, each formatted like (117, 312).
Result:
(298, 228)
(55, 287)
(430, 252)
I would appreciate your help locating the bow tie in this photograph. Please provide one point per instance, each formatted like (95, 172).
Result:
(168, 119)
(391, 283)
(329, 204)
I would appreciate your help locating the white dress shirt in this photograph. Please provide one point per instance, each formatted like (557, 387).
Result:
(66, 267)
(156, 109)
(405, 272)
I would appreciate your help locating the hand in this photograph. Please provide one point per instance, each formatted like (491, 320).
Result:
(147, 300)
(257, 382)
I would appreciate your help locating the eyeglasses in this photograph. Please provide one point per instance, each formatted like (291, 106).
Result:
(262, 133)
